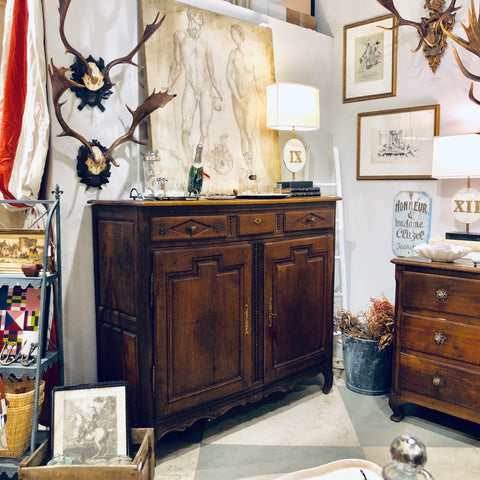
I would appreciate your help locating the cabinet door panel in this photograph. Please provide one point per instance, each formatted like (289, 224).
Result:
(203, 324)
(298, 307)
(118, 360)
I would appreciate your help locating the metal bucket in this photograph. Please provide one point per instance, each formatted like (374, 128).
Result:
(367, 370)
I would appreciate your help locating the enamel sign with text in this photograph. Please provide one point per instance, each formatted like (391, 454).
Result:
(412, 212)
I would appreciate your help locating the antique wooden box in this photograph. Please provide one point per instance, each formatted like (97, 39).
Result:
(141, 468)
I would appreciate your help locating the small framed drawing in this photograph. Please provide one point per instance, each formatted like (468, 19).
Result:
(394, 144)
(90, 422)
(19, 246)
(369, 59)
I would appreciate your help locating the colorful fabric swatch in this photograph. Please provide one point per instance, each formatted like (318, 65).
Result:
(19, 314)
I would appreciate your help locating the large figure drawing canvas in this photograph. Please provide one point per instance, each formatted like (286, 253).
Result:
(219, 68)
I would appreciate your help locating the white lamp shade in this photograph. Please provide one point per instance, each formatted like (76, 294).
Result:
(456, 156)
(293, 105)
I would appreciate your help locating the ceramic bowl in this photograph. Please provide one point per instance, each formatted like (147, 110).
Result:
(442, 252)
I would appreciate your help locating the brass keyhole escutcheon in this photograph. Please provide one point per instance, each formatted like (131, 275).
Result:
(271, 314)
(192, 229)
(439, 337)
(442, 294)
(257, 221)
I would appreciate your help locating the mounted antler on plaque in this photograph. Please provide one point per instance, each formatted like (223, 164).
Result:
(92, 76)
(91, 83)
(93, 159)
(472, 45)
(432, 30)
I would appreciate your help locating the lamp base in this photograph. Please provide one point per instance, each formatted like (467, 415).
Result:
(468, 236)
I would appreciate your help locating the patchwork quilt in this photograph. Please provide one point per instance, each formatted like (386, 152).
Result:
(19, 314)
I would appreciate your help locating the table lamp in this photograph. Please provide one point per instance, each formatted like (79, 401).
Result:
(457, 156)
(295, 107)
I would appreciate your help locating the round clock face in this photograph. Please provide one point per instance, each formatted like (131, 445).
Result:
(294, 155)
(465, 205)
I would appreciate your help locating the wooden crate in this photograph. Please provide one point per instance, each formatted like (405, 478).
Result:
(141, 468)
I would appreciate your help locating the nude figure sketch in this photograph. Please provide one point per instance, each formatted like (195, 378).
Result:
(193, 57)
(219, 72)
(245, 92)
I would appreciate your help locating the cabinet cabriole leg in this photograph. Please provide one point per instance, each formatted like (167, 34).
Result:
(397, 409)
(328, 380)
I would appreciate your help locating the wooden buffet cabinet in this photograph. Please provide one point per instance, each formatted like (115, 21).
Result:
(204, 305)
(437, 337)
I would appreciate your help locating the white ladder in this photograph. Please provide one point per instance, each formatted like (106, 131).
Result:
(340, 293)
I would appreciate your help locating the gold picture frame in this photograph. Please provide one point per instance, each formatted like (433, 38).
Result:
(370, 59)
(397, 144)
(20, 246)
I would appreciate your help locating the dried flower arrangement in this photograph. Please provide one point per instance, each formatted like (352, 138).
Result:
(375, 324)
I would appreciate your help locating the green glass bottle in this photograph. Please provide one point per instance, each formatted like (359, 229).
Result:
(195, 176)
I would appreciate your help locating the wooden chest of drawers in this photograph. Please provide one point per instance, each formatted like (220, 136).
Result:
(437, 337)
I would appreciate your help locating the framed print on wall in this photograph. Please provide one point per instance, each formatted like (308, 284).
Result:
(369, 59)
(395, 144)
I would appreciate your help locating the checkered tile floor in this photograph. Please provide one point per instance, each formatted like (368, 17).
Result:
(305, 428)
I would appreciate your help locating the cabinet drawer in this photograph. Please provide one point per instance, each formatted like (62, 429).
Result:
(252, 224)
(309, 220)
(437, 336)
(440, 381)
(441, 293)
(178, 228)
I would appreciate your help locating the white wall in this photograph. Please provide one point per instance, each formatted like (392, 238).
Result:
(368, 204)
(108, 29)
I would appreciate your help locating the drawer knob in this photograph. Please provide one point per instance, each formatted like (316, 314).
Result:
(311, 221)
(257, 221)
(192, 229)
(442, 294)
(439, 337)
(438, 380)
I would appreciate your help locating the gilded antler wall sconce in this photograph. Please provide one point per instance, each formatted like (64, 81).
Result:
(432, 30)
(472, 45)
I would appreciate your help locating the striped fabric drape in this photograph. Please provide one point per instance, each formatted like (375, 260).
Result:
(24, 120)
